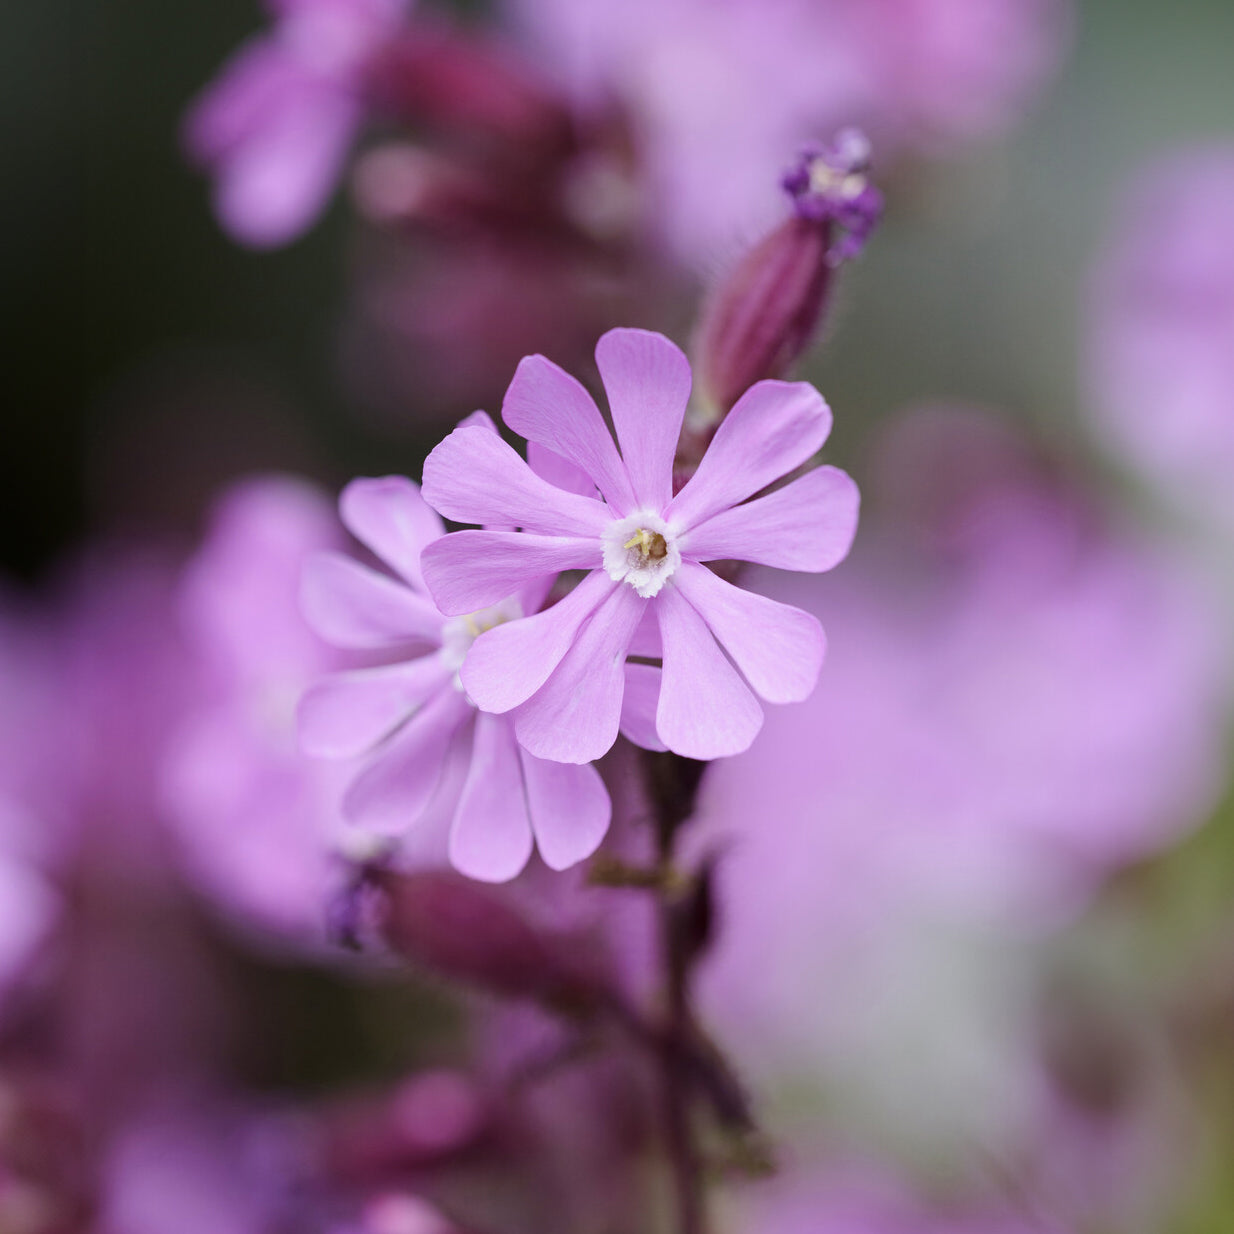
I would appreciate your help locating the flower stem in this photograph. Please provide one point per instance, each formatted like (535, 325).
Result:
(673, 783)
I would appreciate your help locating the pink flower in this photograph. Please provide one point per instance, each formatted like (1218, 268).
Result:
(1161, 358)
(276, 126)
(257, 823)
(435, 761)
(561, 675)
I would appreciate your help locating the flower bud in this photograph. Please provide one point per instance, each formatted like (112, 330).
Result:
(473, 933)
(457, 82)
(760, 319)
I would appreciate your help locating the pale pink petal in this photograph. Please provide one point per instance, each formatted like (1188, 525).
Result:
(570, 809)
(470, 570)
(574, 716)
(706, 711)
(491, 835)
(509, 663)
(478, 419)
(647, 380)
(352, 606)
(392, 791)
(546, 405)
(474, 477)
(388, 516)
(806, 525)
(239, 100)
(274, 183)
(349, 713)
(774, 427)
(779, 648)
(559, 472)
(646, 641)
(639, 705)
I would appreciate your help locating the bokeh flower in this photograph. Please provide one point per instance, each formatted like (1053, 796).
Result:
(1161, 354)
(1020, 699)
(434, 760)
(562, 674)
(276, 126)
(721, 94)
(257, 824)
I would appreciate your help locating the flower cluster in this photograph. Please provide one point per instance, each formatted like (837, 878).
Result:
(650, 642)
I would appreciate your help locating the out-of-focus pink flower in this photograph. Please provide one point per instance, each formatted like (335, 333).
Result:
(202, 1162)
(28, 905)
(397, 1212)
(276, 127)
(123, 679)
(1018, 700)
(1162, 330)
(722, 94)
(258, 823)
(827, 1199)
(562, 674)
(434, 760)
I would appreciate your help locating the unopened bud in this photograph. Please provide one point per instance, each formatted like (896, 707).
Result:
(473, 933)
(458, 82)
(761, 318)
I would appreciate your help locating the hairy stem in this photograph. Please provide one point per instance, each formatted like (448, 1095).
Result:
(673, 783)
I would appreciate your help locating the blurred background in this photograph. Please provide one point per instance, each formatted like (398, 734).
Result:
(976, 946)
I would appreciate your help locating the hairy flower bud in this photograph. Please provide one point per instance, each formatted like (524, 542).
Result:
(473, 933)
(760, 319)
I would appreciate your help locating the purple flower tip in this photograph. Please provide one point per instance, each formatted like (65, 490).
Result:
(830, 183)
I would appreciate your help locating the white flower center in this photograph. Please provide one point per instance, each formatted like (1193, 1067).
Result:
(830, 181)
(458, 634)
(641, 550)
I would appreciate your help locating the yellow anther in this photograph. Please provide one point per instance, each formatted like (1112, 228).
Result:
(650, 544)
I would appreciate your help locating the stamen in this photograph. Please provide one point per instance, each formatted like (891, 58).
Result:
(651, 545)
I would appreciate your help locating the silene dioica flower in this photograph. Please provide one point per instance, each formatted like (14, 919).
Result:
(650, 641)
(435, 762)
(497, 702)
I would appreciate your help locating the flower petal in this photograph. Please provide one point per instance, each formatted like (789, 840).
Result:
(559, 472)
(638, 706)
(392, 791)
(348, 713)
(570, 809)
(779, 648)
(491, 835)
(274, 183)
(479, 419)
(474, 477)
(509, 663)
(574, 716)
(546, 405)
(706, 711)
(350, 605)
(646, 641)
(389, 516)
(647, 380)
(774, 427)
(469, 570)
(806, 525)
